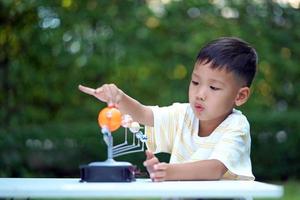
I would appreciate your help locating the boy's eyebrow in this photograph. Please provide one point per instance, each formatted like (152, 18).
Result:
(194, 74)
(216, 81)
(210, 80)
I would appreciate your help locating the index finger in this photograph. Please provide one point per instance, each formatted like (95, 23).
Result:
(149, 154)
(86, 90)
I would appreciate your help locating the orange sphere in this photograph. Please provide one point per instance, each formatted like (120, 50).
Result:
(110, 117)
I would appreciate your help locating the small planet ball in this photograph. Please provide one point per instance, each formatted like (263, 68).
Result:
(134, 127)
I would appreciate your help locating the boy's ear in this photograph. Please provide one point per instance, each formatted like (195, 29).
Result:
(242, 96)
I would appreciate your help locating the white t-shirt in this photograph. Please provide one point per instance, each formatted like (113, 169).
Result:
(175, 131)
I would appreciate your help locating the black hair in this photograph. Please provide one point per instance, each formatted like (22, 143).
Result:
(233, 54)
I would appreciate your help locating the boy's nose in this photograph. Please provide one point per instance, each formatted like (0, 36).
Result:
(201, 94)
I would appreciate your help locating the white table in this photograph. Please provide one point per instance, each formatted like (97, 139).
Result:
(141, 188)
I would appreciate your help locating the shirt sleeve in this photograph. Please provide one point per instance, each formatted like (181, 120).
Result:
(233, 150)
(161, 135)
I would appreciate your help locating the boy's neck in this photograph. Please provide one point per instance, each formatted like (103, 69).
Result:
(207, 127)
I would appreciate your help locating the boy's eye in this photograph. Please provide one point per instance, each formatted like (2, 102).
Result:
(214, 88)
(195, 83)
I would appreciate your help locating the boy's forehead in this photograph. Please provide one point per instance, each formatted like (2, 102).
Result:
(218, 74)
(208, 66)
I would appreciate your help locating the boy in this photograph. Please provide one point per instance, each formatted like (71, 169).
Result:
(208, 139)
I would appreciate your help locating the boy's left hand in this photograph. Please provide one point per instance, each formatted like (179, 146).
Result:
(157, 170)
(160, 172)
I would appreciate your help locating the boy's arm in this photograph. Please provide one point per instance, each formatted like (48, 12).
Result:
(136, 110)
(198, 170)
(112, 95)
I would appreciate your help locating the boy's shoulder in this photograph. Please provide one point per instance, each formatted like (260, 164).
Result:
(175, 106)
(236, 120)
(182, 106)
(176, 109)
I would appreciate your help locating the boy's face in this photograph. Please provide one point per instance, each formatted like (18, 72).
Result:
(214, 92)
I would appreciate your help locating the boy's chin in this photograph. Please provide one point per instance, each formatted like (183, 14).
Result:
(200, 116)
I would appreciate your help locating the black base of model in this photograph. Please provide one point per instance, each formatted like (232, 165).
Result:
(108, 171)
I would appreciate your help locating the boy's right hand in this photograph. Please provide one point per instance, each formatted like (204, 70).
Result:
(108, 93)
(150, 161)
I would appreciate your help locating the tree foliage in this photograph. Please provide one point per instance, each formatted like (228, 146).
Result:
(148, 49)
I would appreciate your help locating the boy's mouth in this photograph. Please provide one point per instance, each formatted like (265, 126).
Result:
(199, 107)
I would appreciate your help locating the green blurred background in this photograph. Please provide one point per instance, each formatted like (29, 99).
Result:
(148, 48)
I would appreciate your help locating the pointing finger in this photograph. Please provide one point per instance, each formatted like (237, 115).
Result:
(86, 90)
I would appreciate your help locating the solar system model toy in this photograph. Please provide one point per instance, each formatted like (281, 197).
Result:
(110, 119)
